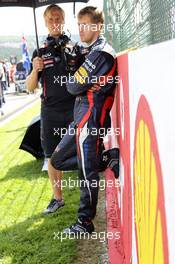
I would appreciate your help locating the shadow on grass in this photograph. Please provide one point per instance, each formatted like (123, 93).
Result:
(32, 241)
(28, 171)
(36, 240)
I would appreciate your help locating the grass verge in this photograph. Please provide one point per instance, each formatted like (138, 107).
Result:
(26, 236)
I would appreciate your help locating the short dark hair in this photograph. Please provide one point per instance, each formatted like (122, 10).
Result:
(95, 14)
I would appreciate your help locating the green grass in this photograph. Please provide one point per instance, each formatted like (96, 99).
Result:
(26, 236)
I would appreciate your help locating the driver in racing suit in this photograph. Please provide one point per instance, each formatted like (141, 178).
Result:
(91, 113)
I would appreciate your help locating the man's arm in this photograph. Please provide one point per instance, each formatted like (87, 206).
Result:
(96, 65)
(32, 79)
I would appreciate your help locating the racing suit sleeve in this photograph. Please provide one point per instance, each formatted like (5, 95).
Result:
(97, 64)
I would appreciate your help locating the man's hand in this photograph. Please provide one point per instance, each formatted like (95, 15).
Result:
(38, 64)
(95, 88)
(32, 79)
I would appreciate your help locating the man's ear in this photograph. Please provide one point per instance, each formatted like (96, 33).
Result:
(100, 26)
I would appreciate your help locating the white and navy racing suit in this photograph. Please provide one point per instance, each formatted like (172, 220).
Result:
(91, 113)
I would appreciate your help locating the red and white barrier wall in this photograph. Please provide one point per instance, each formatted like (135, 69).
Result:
(142, 209)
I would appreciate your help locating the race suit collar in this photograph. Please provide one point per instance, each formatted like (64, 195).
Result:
(98, 42)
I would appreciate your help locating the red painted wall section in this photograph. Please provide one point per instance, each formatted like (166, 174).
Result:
(119, 201)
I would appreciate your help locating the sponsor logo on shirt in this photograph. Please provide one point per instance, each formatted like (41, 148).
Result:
(81, 75)
(89, 65)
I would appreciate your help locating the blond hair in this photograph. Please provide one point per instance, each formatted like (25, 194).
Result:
(54, 7)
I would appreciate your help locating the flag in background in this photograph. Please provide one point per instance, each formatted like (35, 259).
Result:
(25, 55)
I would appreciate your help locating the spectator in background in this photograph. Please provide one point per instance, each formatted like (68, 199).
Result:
(2, 113)
(2, 76)
(8, 65)
(1, 89)
(4, 79)
(12, 72)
